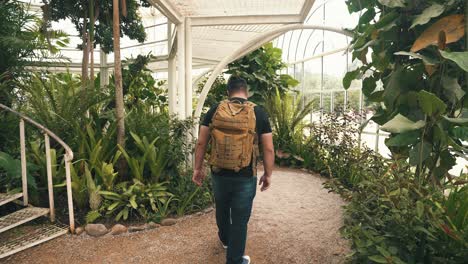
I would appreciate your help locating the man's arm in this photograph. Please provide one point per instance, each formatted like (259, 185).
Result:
(268, 160)
(202, 143)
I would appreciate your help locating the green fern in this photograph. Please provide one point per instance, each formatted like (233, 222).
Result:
(92, 216)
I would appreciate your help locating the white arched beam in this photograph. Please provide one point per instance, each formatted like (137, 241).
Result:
(248, 47)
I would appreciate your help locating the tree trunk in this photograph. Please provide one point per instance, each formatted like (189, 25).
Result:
(119, 104)
(91, 41)
(84, 64)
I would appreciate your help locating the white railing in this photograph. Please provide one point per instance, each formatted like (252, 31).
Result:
(68, 157)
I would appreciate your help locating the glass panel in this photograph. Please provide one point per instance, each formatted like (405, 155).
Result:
(312, 77)
(353, 99)
(338, 101)
(326, 102)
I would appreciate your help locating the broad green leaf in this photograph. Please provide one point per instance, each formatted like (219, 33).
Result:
(458, 121)
(376, 96)
(387, 21)
(368, 85)
(400, 124)
(461, 133)
(447, 160)
(419, 208)
(431, 104)
(434, 10)
(392, 87)
(393, 3)
(425, 59)
(378, 259)
(452, 89)
(460, 58)
(424, 230)
(133, 202)
(349, 77)
(403, 139)
(397, 260)
(383, 251)
(113, 206)
(419, 153)
(394, 193)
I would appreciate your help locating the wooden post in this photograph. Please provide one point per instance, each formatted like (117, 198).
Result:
(71, 215)
(50, 182)
(24, 176)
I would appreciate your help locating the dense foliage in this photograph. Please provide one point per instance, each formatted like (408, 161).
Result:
(156, 182)
(390, 217)
(260, 69)
(410, 209)
(418, 53)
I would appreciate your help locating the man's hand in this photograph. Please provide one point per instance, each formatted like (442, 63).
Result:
(265, 181)
(198, 177)
(203, 137)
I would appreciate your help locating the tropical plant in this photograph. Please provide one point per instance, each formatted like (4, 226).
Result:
(155, 159)
(140, 86)
(59, 102)
(394, 219)
(189, 197)
(419, 54)
(287, 114)
(10, 172)
(145, 200)
(260, 69)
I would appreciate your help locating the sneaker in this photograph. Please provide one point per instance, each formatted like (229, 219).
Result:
(245, 260)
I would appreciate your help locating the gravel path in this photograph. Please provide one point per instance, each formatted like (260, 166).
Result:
(296, 221)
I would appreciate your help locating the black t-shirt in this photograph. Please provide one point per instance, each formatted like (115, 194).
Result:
(262, 126)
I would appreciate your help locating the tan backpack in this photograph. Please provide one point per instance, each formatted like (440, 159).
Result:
(234, 141)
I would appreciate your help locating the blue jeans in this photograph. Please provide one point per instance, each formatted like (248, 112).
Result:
(233, 199)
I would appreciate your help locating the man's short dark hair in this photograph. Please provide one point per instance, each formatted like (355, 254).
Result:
(236, 83)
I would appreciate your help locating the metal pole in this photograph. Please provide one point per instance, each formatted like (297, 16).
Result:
(188, 68)
(24, 176)
(49, 178)
(345, 103)
(322, 67)
(303, 85)
(171, 73)
(181, 69)
(71, 215)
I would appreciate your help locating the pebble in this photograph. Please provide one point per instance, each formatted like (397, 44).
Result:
(118, 229)
(208, 210)
(152, 225)
(96, 230)
(133, 229)
(79, 230)
(168, 222)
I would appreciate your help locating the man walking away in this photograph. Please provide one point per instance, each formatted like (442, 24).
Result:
(234, 128)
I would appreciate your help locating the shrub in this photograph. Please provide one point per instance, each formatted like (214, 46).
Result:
(333, 150)
(394, 219)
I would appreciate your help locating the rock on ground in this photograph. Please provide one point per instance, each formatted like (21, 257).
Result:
(118, 229)
(96, 229)
(79, 230)
(168, 222)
